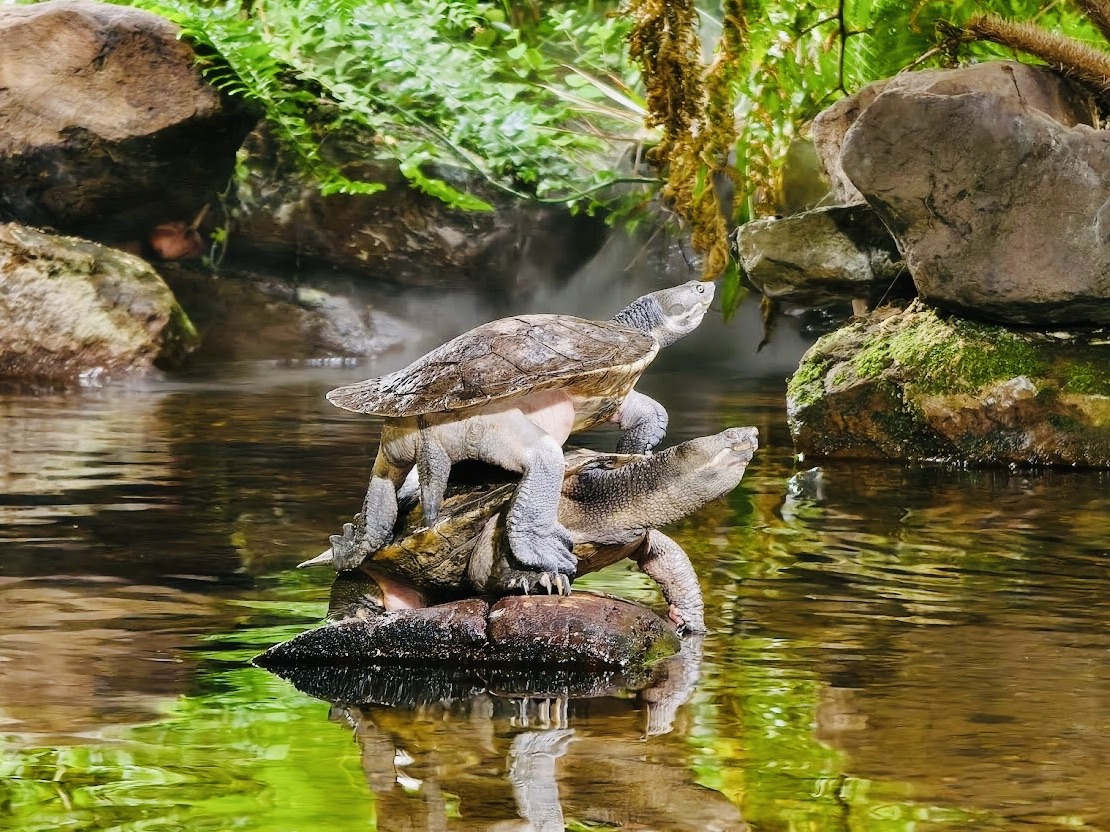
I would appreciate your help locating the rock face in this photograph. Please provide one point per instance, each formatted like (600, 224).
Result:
(245, 317)
(994, 185)
(399, 234)
(823, 256)
(106, 126)
(915, 384)
(580, 630)
(70, 307)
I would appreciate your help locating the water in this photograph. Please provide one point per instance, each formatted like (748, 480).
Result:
(894, 647)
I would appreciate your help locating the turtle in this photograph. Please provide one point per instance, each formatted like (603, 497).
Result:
(509, 393)
(610, 504)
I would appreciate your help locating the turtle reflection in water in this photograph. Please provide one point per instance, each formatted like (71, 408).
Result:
(509, 393)
(609, 503)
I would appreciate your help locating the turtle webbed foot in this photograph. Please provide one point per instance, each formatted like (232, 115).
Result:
(349, 549)
(548, 551)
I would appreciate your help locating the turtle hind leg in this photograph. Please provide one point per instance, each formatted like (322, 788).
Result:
(643, 422)
(536, 537)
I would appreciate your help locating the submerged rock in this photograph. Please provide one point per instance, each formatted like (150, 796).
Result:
(916, 384)
(109, 128)
(581, 630)
(69, 307)
(994, 183)
(823, 256)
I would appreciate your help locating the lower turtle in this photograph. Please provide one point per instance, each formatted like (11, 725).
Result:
(509, 393)
(610, 504)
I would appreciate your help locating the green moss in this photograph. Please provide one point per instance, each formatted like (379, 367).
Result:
(941, 355)
(806, 385)
(1086, 376)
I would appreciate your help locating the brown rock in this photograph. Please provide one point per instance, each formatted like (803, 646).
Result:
(994, 185)
(106, 126)
(581, 630)
(70, 307)
(823, 256)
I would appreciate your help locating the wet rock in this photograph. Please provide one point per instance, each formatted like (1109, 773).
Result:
(916, 384)
(583, 630)
(244, 317)
(823, 256)
(400, 234)
(70, 307)
(109, 128)
(994, 184)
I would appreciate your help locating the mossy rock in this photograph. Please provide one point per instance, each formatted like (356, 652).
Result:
(915, 384)
(70, 308)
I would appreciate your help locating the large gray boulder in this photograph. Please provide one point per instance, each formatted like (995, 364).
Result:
(71, 308)
(995, 186)
(108, 128)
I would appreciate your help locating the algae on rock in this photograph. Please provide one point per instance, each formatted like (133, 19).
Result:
(70, 307)
(916, 384)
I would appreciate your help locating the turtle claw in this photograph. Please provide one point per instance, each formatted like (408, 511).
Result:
(510, 581)
(347, 551)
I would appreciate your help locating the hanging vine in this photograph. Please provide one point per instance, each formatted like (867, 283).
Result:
(694, 105)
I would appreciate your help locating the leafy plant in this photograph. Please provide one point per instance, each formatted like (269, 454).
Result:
(539, 112)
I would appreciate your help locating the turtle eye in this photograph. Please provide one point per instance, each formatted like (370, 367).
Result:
(701, 289)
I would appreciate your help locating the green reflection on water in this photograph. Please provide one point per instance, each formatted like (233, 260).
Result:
(250, 754)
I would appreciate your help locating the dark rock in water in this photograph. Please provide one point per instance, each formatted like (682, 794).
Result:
(244, 317)
(823, 256)
(582, 630)
(109, 128)
(916, 384)
(994, 184)
(72, 308)
(399, 234)
(411, 686)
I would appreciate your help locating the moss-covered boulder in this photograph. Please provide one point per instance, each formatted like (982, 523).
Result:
(71, 308)
(915, 384)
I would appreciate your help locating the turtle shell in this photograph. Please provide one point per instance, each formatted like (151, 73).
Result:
(504, 358)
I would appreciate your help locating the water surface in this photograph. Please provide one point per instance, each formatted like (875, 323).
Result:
(894, 647)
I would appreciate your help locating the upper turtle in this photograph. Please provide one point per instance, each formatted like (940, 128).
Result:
(505, 358)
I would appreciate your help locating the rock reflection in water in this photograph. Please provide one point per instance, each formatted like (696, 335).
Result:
(430, 737)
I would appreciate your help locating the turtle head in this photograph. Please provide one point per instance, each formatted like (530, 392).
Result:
(669, 314)
(634, 492)
(703, 469)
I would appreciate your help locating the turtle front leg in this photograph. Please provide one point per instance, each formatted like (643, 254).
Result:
(643, 422)
(433, 465)
(668, 565)
(379, 512)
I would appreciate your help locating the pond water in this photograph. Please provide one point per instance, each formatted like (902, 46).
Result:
(893, 647)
